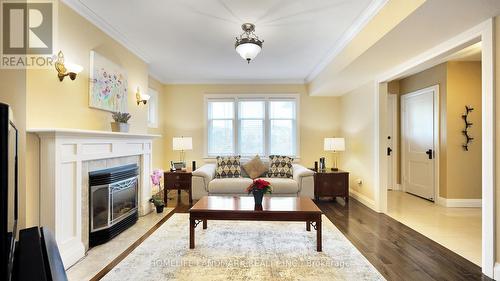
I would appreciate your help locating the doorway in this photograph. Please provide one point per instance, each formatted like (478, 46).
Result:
(439, 106)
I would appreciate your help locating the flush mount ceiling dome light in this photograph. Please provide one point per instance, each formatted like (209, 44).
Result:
(248, 45)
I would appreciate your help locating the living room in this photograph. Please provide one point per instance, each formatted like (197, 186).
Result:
(309, 88)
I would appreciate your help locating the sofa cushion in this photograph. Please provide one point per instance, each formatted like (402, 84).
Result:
(228, 167)
(283, 185)
(229, 185)
(280, 167)
(255, 167)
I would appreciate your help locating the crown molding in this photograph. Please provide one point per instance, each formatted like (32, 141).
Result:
(364, 18)
(103, 25)
(155, 76)
(232, 81)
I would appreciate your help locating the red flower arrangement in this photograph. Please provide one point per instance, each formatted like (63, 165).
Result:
(260, 185)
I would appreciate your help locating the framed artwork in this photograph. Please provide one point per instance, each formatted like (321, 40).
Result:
(108, 84)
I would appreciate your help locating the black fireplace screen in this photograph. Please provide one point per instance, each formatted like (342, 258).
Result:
(113, 201)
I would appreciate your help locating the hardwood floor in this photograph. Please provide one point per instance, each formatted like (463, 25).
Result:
(397, 251)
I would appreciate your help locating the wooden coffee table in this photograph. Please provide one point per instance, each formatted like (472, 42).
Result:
(244, 209)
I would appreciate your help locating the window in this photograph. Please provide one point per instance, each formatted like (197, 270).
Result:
(282, 127)
(250, 126)
(153, 109)
(220, 127)
(251, 118)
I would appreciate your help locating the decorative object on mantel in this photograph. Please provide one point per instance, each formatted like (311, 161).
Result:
(248, 45)
(182, 144)
(108, 84)
(120, 124)
(157, 198)
(335, 145)
(465, 132)
(66, 69)
(141, 98)
(258, 188)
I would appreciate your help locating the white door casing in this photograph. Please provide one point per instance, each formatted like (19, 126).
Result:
(392, 142)
(418, 139)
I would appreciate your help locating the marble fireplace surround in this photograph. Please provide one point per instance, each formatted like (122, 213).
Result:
(66, 157)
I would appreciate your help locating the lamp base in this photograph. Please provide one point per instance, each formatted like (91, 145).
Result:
(335, 169)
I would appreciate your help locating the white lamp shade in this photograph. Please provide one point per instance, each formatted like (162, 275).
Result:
(334, 144)
(248, 50)
(182, 143)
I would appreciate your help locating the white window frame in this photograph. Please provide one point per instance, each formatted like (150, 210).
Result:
(248, 97)
(153, 100)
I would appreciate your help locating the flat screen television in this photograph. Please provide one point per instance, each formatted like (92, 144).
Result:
(8, 190)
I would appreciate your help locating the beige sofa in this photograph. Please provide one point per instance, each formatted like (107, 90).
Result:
(204, 183)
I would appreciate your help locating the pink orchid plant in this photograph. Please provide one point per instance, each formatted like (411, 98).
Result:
(156, 177)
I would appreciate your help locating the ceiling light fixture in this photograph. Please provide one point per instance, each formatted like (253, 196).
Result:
(248, 45)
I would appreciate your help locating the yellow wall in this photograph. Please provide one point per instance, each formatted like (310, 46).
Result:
(464, 167)
(184, 116)
(54, 104)
(51, 103)
(358, 127)
(13, 92)
(459, 85)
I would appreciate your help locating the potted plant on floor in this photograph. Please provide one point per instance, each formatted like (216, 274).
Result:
(120, 124)
(258, 188)
(157, 198)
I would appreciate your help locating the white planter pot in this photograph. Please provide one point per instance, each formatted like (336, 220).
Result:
(119, 127)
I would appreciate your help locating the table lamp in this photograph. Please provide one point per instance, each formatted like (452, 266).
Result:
(334, 145)
(182, 144)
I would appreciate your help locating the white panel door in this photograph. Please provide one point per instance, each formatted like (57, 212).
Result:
(418, 142)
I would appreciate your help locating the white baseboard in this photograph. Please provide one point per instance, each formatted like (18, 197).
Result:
(460, 203)
(396, 188)
(496, 271)
(370, 203)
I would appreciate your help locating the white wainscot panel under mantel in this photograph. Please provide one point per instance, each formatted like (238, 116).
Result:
(62, 152)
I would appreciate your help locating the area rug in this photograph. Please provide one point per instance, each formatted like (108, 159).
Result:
(233, 250)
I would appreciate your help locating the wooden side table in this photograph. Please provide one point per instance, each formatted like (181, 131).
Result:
(330, 183)
(178, 180)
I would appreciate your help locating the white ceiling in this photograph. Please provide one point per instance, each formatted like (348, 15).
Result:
(192, 41)
(470, 53)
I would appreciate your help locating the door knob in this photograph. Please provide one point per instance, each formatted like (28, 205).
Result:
(429, 153)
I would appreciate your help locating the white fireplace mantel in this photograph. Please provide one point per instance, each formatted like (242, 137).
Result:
(62, 152)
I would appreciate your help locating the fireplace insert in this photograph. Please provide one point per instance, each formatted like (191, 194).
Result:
(113, 202)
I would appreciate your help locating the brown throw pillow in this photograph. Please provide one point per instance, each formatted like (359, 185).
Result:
(255, 167)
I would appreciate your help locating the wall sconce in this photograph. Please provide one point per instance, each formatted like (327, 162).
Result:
(66, 69)
(141, 97)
